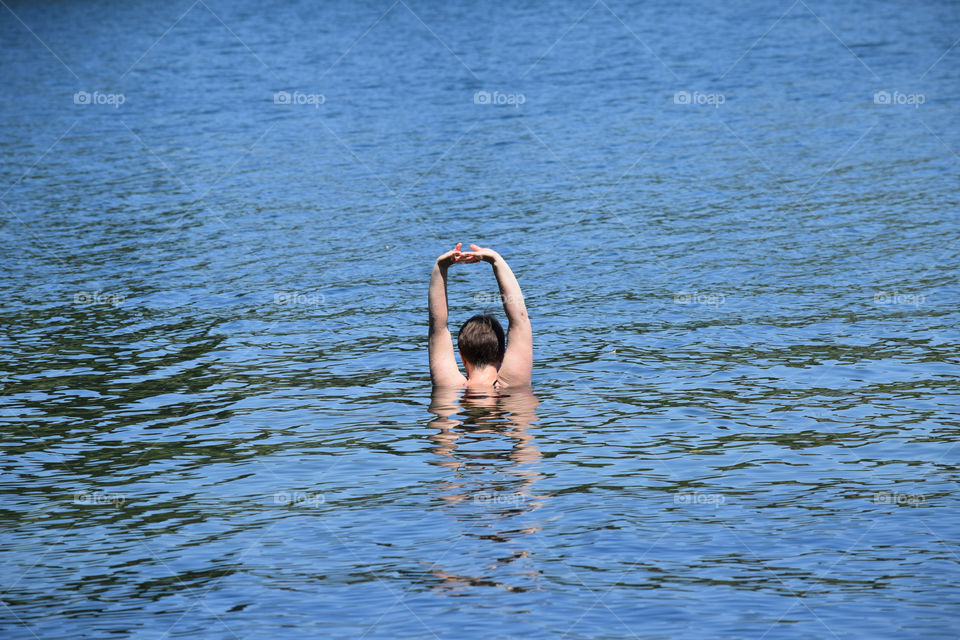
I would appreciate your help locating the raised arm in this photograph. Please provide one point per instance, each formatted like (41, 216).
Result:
(443, 364)
(517, 366)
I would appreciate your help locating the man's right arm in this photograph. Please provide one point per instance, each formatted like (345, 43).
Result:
(517, 367)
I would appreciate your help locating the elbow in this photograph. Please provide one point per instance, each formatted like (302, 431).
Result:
(437, 324)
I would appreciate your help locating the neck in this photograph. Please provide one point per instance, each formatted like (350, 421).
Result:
(482, 376)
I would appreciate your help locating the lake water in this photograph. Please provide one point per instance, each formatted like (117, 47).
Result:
(736, 228)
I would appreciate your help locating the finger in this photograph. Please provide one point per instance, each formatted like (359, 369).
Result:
(475, 247)
(458, 246)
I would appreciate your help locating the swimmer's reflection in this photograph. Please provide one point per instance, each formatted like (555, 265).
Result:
(484, 439)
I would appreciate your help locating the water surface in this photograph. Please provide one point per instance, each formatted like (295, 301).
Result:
(739, 262)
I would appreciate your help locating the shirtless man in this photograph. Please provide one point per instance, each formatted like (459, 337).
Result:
(481, 342)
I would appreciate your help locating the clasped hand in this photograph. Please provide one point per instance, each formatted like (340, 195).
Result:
(478, 254)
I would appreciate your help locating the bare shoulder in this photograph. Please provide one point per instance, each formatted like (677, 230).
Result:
(504, 385)
(454, 382)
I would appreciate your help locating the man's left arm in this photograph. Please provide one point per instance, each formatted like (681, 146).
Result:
(443, 363)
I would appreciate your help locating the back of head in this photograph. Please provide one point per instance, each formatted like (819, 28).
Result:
(481, 341)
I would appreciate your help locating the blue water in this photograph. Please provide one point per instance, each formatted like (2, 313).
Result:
(739, 260)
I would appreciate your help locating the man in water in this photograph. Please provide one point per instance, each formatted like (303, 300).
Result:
(489, 358)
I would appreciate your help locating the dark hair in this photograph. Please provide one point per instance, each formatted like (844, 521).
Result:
(481, 341)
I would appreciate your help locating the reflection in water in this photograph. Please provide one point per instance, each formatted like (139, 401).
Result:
(484, 439)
